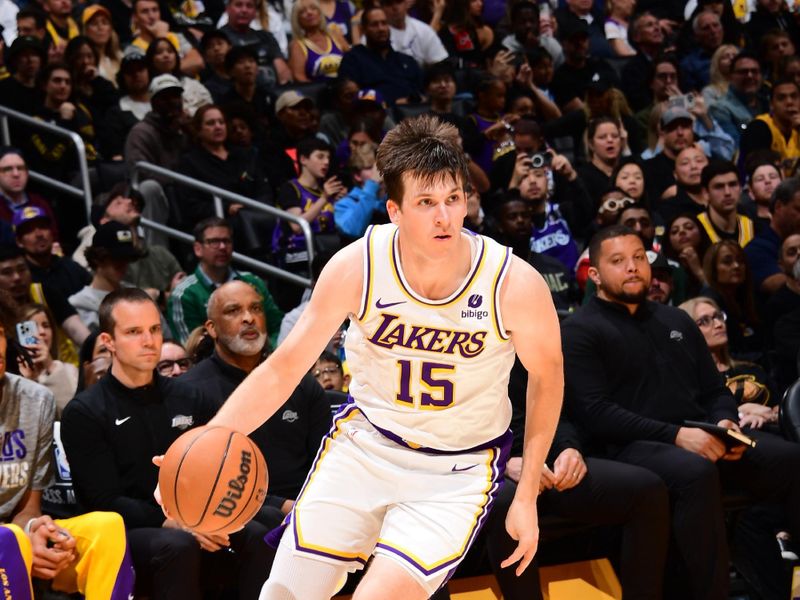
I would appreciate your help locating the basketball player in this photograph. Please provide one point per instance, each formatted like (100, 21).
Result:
(411, 465)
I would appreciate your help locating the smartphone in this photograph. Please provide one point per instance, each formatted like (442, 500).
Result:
(683, 101)
(27, 333)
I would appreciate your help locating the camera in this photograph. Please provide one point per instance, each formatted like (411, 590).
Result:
(541, 160)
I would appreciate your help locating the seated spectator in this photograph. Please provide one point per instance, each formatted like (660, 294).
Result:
(95, 360)
(685, 244)
(634, 408)
(616, 27)
(290, 438)
(513, 224)
(149, 27)
(34, 230)
(337, 120)
(311, 196)
(662, 281)
(628, 176)
(708, 36)
(412, 36)
(663, 84)
(377, 66)
(211, 159)
(59, 377)
(133, 82)
(749, 383)
(721, 219)
(272, 67)
(241, 63)
(296, 119)
(488, 129)
(770, 16)
(774, 46)
(789, 68)
(48, 152)
(688, 194)
(782, 317)
(174, 360)
(764, 251)
(366, 201)
(637, 218)
(23, 59)
(440, 88)
(112, 250)
(763, 176)
(776, 130)
(580, 10)
(31, 22)
(213, 247)
(215, 46)
(647, 38)
(464, 34)
(315, 53)
(15, 277)
(730, 283)
(159, 139)
(720, 74)
(112, 469)
(14, 195)
(162, 59)
(675, 134)
(745, 99)
(526, 34)
(91, 89)
(604, 145)
(269, 17)
(787, 298)
(96, 20)
(329, 372)
(86, 553)
(61, 27)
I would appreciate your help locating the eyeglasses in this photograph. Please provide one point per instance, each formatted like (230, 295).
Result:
(218, 242)
(708, 320)
(325, 371)
(165, 367)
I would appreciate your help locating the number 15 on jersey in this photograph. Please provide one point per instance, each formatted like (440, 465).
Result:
(434, 390)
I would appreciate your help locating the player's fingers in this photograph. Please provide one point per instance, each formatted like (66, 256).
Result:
(514, 558)
(157, 460)
(526, 560)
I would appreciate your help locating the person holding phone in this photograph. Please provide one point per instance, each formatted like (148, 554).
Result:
(58, 377)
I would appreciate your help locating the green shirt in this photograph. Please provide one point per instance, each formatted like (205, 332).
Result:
(187, 306)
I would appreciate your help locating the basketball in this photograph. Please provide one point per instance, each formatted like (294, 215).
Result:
(213, 480)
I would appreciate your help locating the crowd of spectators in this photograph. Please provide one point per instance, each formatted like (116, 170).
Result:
(612, 145)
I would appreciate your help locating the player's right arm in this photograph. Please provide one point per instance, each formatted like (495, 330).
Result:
(337, 293)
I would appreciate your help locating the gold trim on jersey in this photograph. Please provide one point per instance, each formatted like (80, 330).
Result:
(369, 276)
(497, 318)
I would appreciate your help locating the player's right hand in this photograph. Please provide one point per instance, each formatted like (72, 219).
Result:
(50, 561)
(157, 460)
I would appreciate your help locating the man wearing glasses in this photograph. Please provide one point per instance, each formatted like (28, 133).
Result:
(213, 247)
(13, 194)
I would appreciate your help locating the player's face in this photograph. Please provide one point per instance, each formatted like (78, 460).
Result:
(137, 339)
(623, 271)
(432, 213)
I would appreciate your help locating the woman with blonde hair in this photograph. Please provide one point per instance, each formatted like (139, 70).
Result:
(97, 27)
(59, 377)
(316, 50)
(720, 73)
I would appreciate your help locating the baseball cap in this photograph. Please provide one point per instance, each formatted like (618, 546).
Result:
(117, 239)
(290, 98)
(574, 26)
(164, 82)
(600, 83)
(659, 261)
(20, 45)
(91, 11)
(213, 34)
(676, 113)
(132, 55)
(28, 214)
(370, 95)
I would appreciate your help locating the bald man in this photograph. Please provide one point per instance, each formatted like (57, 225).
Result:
(290, 439)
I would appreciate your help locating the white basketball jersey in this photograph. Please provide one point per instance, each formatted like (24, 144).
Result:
(432, 372)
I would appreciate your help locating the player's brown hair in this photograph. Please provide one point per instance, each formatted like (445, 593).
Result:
(424, 147)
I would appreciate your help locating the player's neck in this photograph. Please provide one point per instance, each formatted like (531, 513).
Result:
(426, 274)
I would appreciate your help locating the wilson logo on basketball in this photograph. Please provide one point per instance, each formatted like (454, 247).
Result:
(235, 487)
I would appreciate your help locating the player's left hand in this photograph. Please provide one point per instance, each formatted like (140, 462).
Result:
(157, 460)
(522, 524)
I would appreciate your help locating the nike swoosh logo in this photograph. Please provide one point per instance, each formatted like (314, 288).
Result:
(455, 468)
(379, 304)
(120, 421)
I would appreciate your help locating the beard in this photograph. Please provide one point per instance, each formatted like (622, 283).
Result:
(241, 346)
(620, 295)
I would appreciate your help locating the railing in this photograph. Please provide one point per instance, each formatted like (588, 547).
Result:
(218, 194)
(85, 191)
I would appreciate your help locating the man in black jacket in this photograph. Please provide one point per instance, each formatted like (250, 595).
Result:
(290, 438)
(635, 371)
(111, 432)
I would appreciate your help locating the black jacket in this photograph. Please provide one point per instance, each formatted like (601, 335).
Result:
(638, 377)
(289, 440)
(111, 433)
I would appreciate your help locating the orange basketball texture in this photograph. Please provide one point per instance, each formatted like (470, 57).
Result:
(213, 480)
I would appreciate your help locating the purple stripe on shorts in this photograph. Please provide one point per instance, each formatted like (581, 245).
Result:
(273, 537)
(14, 579)
(126, 578)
